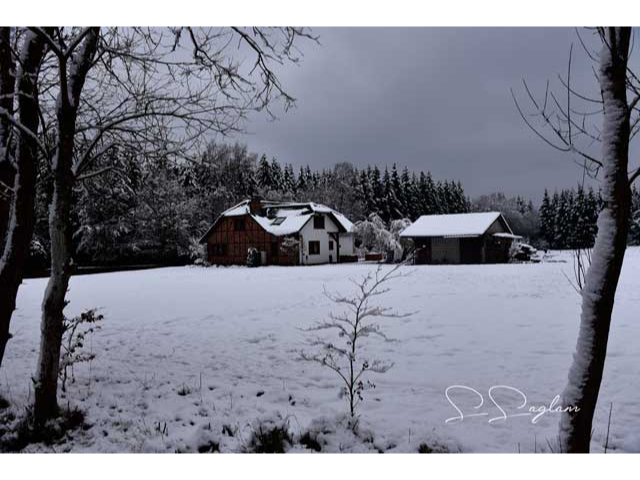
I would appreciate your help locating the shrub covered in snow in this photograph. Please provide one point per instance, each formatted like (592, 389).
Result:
(270, 435)
(38, 254)
(204, 440)
(373, 235)
(253, 257)
(197, 252)
(335, 435)
(290, 246)
(17, 433)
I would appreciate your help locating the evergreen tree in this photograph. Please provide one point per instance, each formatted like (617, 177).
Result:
(264, 178)
(365, 193)
(431, 199)
(408, 195)
(288, 180)
(396, 190)
(547, 219)
(393, 207)
(377, 189)
(308, 178)
(444, 197)
(461, 205)
(423, 204)
(276, 175)
(580, 221)
(301, 185)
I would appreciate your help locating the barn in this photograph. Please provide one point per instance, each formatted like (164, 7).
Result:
(461, 238)
(285, 233)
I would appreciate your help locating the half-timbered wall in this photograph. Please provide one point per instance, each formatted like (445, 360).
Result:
(227, 245)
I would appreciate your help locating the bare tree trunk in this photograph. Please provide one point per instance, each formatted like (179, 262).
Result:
(46, 405)
(21, 219)
(46, 387)
(598, 295)
(7, 89)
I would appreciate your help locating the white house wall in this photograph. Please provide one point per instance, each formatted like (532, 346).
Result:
(346, 244)
(308, 234)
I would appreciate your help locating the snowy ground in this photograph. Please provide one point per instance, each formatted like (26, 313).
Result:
(184, 351)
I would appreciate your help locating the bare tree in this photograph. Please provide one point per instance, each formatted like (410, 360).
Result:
(20, 58)
(581, 258)
(562, 126)
(157, 91)
(353, 325)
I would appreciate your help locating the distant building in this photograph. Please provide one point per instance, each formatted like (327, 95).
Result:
(284, 233)
(461, 238)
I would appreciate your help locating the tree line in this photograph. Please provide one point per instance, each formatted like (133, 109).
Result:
(153, 209)
(569, 217)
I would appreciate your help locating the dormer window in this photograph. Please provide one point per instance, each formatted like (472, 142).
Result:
(318, 222)
(278, 221)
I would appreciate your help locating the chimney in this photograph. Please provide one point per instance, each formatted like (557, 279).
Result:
(255, 206)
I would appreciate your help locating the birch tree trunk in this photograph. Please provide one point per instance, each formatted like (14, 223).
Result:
(21, 217)
(46, 386)
(598, 294)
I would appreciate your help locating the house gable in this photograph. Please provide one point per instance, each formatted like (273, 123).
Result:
(500, 225)
(311, 234)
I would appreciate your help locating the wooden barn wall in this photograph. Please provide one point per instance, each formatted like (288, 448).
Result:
(471, 250)
(238, 243)
(423, 251)
(496, 250)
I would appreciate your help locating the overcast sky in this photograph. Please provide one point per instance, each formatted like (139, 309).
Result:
(434, 99)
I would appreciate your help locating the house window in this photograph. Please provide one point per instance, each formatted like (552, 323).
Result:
(238, 224)
(274, 249)
(219, 249)
(318, 222)
(330, 244)
(314, 247)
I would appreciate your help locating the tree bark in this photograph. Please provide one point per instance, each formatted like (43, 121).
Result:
(21, 217)
(7, 88)
(598, 294)
(46, 386)
(46, 404)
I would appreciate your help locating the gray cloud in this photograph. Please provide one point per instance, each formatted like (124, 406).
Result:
(433, 99)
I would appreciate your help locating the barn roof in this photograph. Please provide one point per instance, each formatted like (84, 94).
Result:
(453, 225)
(285, 218)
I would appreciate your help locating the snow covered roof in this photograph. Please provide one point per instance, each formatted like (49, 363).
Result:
(283, 225)
(285, 218)
(453, 225)
(507, 235)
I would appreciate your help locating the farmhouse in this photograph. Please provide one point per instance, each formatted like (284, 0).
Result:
(461, 238)
(283, 233)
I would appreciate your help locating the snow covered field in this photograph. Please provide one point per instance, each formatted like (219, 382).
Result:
(185, 351)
